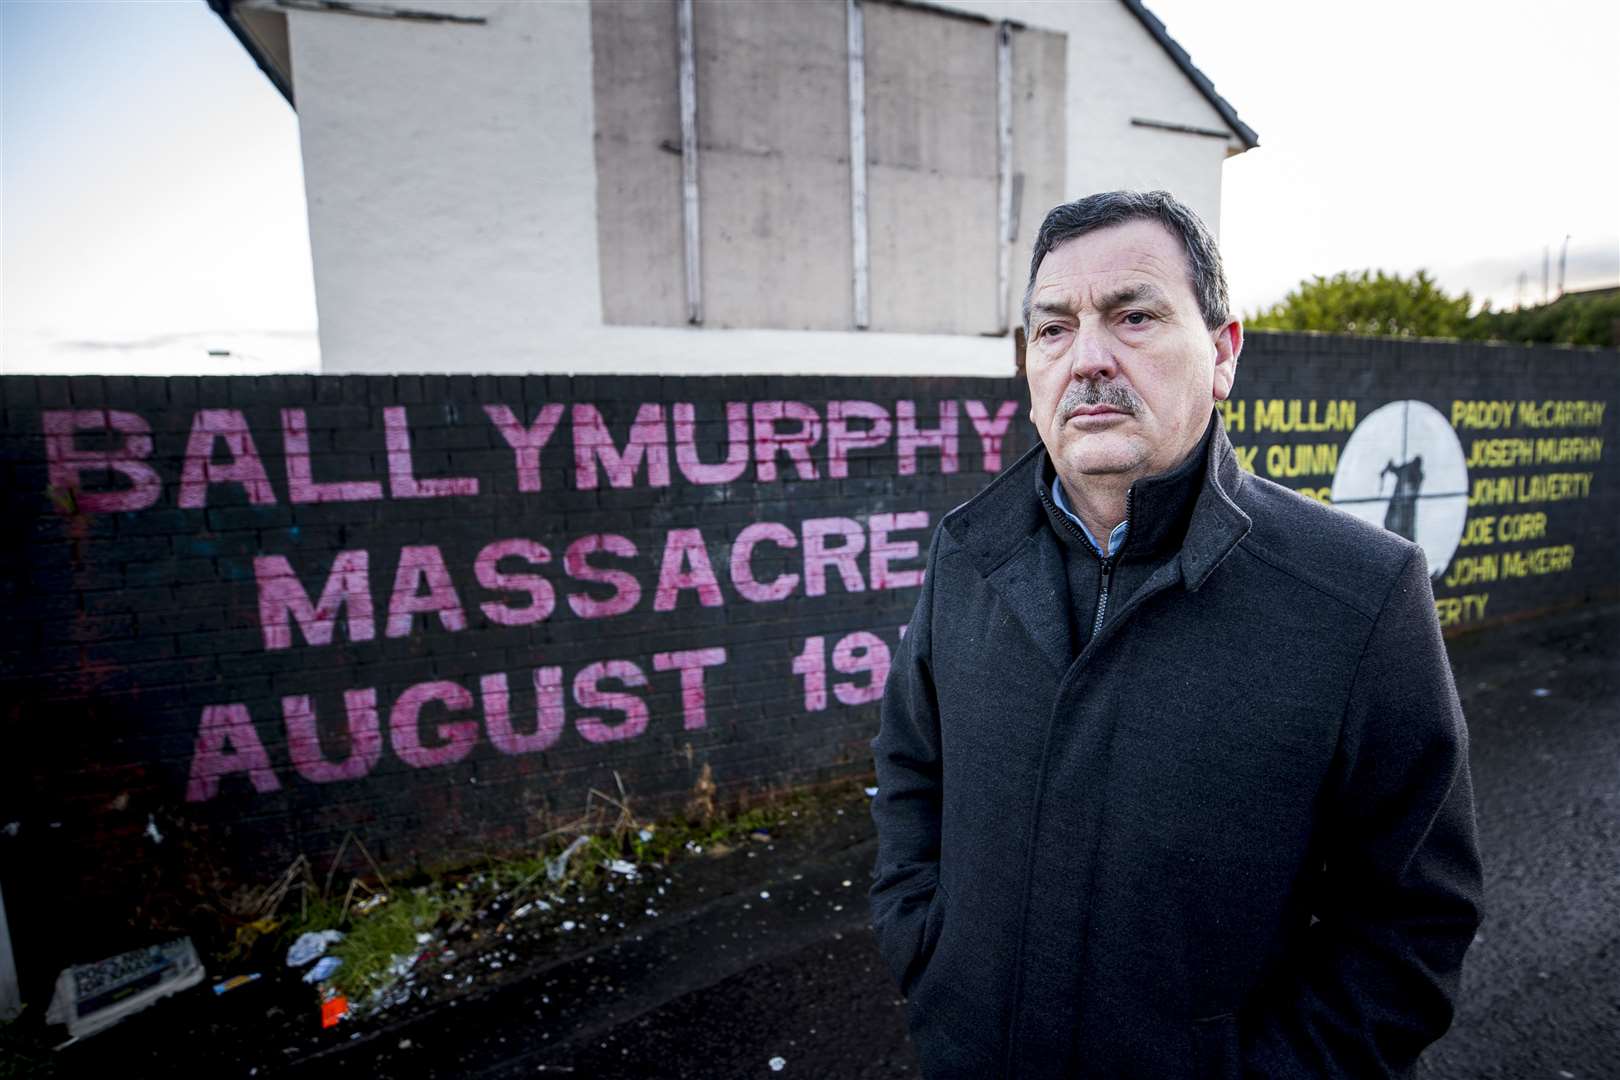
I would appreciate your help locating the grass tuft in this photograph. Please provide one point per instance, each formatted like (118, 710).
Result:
(376, 934)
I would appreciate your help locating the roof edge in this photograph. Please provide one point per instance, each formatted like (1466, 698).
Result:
(1151, 23)
(281, 80)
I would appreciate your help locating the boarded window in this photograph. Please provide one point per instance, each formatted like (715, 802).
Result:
(775, 242)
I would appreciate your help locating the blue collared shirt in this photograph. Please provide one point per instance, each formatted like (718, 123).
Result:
(1116, 539)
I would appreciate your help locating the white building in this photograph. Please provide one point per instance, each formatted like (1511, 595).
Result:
(666, 185)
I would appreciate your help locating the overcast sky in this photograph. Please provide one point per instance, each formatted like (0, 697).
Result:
(152, 204)
(1462, 137)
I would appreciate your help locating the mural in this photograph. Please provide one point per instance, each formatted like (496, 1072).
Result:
(1485, 514)
(1403, 468)
(562, 520)
(434, 610)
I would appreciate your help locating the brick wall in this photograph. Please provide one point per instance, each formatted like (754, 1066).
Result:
(252, 614)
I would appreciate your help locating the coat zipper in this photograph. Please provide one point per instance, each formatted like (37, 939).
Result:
(1102, 594)
(1107, 561)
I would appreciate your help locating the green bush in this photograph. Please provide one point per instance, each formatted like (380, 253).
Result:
(1389, 305)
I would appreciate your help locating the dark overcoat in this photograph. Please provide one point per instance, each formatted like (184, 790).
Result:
(1233, 837)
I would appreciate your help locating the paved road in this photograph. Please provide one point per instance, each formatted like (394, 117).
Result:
(795, 975)
(1541, 988)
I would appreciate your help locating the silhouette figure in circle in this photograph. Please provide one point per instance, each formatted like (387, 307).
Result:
(1401, 517)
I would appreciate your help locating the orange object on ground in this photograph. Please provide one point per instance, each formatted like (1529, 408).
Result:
(333, 1010)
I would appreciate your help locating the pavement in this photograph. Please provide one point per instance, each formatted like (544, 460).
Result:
(767, 968)
(1541, 986)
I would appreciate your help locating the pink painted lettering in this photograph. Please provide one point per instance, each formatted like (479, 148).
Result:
(67, 463)
(811, 666)
(881, 550)
(455, 740)
(685, 566)
(526, 442)
(282, 600)
(908, 438)
(201, 471)
(227, 743)
(694, 703)
(769, 442)
(626, 589)
(548, 712)
(542, 599)
(589, 695)
(845, 557)
(402, 481)
(686, 454)
(841, 440)
(419, 566)
(592, 444)
(742, 562)
(304, 740)
(856, 654)
(301, 485)
(991, 432)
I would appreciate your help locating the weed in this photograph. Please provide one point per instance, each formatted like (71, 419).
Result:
(374, 940)
(381, 921)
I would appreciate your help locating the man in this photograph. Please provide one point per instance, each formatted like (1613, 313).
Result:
(1172, 778)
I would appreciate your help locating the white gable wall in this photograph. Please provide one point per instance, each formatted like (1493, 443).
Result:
(1117, 71)
(452, 193)
(451, 185)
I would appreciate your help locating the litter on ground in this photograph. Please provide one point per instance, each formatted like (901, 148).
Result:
(312, 946)
(334, 1009)
(233, 982)
(324, 968)
(558, 866)
(92, 997)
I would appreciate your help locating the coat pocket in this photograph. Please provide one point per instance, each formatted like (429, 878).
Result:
(933, 927)
(1217, 1054)
(907, 926)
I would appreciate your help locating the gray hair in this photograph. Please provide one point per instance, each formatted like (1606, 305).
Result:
(1072, 219)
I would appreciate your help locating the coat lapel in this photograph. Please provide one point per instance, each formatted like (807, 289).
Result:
(1033, 585)
(1005, 533)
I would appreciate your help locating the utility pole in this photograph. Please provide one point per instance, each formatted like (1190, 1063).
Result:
(1563, 255)
(1546, 264)
(1518, 292)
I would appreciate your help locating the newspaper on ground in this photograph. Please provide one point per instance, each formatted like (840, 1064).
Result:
(92, 997)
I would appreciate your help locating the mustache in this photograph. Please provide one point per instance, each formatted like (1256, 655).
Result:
(1095, 392)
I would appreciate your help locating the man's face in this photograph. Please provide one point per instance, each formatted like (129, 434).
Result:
(1122, 372)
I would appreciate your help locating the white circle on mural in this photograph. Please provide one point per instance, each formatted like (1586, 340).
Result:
(1403, 468)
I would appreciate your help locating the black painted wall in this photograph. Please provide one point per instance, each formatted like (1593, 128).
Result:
(171, 667)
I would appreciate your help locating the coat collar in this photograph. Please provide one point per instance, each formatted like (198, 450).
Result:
(1160, 506)
(1005, 532)
(1217, 525)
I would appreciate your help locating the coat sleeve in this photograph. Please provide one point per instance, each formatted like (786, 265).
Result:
(907, 806)
(1397, 898)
